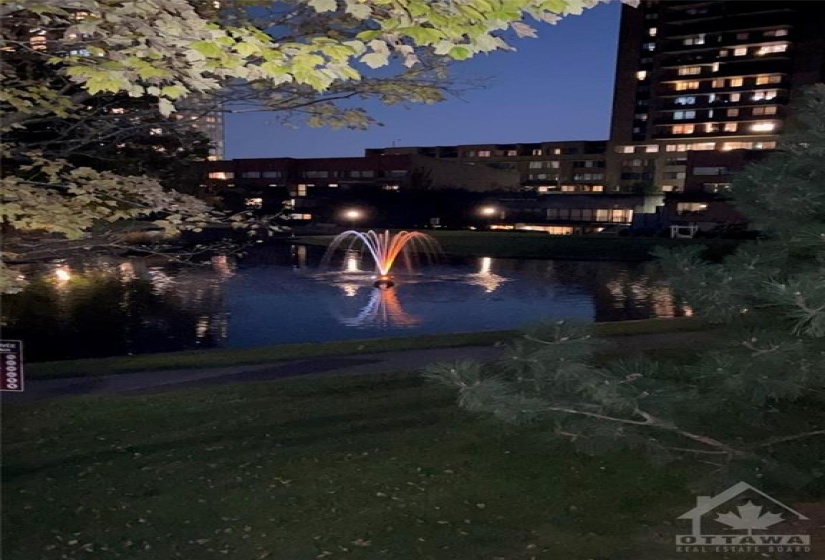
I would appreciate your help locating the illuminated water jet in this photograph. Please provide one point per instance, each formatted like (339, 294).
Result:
(385, 249)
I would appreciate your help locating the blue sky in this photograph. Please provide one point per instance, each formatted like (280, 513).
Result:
(556, 87)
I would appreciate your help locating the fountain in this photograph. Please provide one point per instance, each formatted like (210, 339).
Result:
(385, 249)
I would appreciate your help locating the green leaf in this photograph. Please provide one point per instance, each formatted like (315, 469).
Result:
(375, 59)
(460, 53)
(247, 49)
(208, 49)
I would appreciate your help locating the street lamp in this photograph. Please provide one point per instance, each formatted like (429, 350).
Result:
(488, 214)
(352, 215)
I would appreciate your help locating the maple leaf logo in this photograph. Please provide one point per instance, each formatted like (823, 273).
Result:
(750, 517)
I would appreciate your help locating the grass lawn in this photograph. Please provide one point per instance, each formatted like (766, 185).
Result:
(361, 467)
(542, 246)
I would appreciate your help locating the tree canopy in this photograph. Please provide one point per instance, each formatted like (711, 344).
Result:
(63, 59)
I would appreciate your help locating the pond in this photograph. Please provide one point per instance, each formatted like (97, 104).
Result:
(283, 293)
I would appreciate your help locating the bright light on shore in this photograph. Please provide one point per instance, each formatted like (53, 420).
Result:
(62, 275)
(488, 210)
(353, 214)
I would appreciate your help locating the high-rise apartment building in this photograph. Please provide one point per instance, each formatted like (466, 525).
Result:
(706, 76)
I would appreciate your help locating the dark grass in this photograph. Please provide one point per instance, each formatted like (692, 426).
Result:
(242, 356)
(359, 467)
(528, 245)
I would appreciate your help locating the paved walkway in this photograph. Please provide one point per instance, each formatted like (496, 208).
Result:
(407, 360)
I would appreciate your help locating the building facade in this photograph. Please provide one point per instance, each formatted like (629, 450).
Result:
(318, 189)
(706, 77)
(542, 167)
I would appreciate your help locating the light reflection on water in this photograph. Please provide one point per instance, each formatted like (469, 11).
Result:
(278, 294)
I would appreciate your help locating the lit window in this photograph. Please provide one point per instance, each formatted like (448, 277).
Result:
(641, 74)
(683, 115)
(763, 127)
(690, 207)
(682, 129)
(484, 153)
(37, 42)
(714, 67)
(694, 40)
(723, 53)
(737, 146)
(764, 111)
(734, 97)
(736, 82)
(649, 46)
(764, 145)
(766, 95)
(557, 151)
(690, 70)
(221, 175)
(740, 51)
(640, 116)
(511, 153)
(536, 164)
(772, 49)
(624, 149)
(718, 83)
(681, 86)
(776, 33)
(652, 31)
(695, 146)
(651, 149)
(711, 127)
(773, 79)
(731, 127)
(685, 100)
(553, 164)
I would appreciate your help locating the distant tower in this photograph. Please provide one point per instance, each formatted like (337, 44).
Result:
(211, 125)
(706, 76)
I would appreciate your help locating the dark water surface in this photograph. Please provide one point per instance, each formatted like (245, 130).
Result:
(280, 294)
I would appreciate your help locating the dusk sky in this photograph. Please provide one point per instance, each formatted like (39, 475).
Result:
(556, 87)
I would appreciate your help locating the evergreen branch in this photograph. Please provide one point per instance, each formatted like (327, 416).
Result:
(760, 351)
(785, 439)
(699, 451)
(645, 422)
